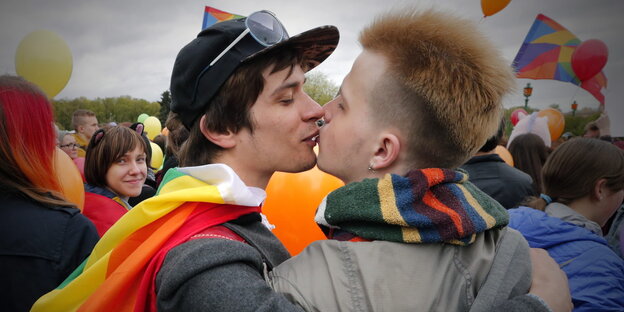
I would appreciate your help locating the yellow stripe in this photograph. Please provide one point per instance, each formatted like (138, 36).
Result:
(389, 210)
(411, 235)
(489, 220)
(149, 210)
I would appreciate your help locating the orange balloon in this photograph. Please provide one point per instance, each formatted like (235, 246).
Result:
(504, 154)
(70, 178)
(556, 122)
(491, 7)
(292, 199)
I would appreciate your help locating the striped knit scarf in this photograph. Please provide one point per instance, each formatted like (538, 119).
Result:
(425, 206)
(118, 276)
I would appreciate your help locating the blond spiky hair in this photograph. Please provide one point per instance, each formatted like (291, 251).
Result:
(451, 81)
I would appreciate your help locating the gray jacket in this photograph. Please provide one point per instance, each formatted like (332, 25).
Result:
(388, 276)
(223, 275)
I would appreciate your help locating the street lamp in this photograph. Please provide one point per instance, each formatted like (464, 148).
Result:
(574, 107)
(527, 92)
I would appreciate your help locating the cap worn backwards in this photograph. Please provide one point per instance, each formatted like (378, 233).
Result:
(193, 85)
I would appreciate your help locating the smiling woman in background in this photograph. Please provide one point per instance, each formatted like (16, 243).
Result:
(115, 170)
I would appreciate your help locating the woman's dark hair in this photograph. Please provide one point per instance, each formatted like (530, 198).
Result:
(529, 154)
(573, 169)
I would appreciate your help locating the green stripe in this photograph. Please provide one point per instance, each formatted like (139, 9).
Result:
(171, 175)
(74, 274)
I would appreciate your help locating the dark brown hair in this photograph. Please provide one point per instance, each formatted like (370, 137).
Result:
(178, 134)
(229, 109)
(572, 170)
(529, 154)
(106, 147)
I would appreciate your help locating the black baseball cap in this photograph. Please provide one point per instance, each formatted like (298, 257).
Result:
(191, 90)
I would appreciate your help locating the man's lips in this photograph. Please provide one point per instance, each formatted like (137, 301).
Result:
(312, 139)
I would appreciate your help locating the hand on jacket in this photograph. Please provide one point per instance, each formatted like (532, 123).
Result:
(549, 282)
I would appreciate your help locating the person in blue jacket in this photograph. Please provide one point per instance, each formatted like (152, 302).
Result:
(583, 186)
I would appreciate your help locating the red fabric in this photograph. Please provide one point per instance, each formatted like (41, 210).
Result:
(102, 211)
(203, 217)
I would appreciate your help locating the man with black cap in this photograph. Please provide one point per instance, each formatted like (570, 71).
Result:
(201, 242)
(238, 88)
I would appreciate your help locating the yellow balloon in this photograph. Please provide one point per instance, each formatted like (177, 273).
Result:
(152, 127)
(157, 156)
(43, 58)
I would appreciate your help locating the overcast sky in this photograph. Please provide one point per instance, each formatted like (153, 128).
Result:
(128, 47)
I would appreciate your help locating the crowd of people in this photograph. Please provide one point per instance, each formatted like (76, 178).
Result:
(430, 217)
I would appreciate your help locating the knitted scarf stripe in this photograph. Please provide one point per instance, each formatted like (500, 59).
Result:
(426, 206)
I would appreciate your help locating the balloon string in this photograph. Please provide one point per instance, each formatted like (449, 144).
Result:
(575, 93)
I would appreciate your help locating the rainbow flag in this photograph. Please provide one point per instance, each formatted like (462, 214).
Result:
(546, 53)
(119, 273)
(213, 16)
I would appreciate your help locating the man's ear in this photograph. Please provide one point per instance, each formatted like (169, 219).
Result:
(600, 189)
(388, 150)
(225, 140)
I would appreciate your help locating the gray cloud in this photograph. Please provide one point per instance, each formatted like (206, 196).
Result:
(128, 47)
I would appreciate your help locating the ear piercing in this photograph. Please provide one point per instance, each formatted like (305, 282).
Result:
(370, 167)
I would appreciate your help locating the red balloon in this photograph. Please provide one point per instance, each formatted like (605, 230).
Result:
(589, 58)
(515, 115)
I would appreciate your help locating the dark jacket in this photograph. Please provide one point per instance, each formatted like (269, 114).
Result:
(506, 184)
(223, 275)
(39, 247)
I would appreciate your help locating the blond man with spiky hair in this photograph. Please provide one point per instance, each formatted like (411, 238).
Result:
(409, 232)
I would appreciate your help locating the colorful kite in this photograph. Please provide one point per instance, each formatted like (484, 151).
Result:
(546, 53)
(213, 16)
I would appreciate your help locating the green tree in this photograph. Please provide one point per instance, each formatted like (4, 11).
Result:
(320, 88)
(118, 109)
(165, 103)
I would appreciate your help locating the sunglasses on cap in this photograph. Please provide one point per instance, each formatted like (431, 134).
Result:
(263, 26)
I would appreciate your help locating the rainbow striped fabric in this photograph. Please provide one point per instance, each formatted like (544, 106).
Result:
(213, 16)
(118, 274)
(426, 206)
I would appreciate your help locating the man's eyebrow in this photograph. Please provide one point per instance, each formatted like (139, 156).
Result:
(287, 86)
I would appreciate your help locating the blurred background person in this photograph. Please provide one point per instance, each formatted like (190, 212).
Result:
(583, 186)
(177, 136)
(68, 144)
(85, 124)
(529, 153)
(489, 172)
(43, 237)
